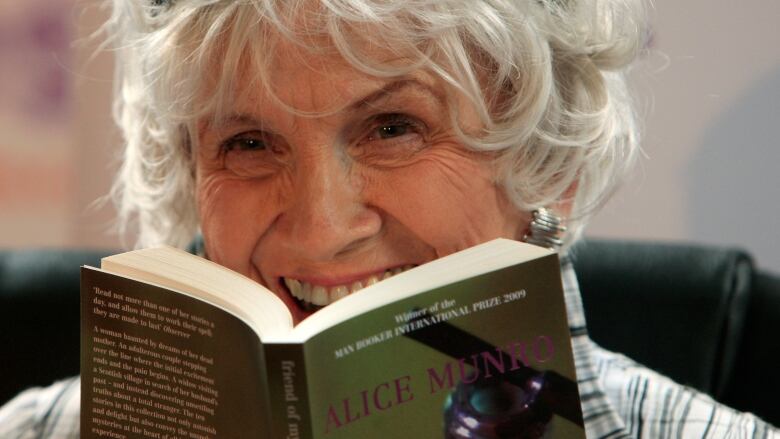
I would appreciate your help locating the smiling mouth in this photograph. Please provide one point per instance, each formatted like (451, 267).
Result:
(312, 297)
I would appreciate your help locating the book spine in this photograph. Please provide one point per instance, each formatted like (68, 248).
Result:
(85, 360)
(288, 392)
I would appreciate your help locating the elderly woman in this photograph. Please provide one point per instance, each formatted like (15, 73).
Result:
(328, 141)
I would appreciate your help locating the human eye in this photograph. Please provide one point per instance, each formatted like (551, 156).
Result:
(250, 154)
(393, 125)
(249, 141)
(391, 137)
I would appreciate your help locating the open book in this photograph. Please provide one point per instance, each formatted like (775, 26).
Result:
(175, 346)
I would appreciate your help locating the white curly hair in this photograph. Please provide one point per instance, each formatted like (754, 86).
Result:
(547, 78)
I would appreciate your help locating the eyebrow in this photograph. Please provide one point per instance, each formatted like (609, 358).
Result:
(391, 88)
(366, 101)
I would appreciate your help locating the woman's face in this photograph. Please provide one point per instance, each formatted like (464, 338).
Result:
(321, 206)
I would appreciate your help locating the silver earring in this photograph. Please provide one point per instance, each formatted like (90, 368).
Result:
(545, 229)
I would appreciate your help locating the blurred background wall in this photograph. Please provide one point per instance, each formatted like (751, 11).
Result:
(712, 108)
(58, 146)
(709, 96)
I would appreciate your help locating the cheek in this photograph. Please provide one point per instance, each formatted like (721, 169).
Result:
(234, 213)
(448, 199)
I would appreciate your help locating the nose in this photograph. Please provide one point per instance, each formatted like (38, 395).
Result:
(327, 217)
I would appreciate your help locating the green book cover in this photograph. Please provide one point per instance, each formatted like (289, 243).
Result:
(486, 356)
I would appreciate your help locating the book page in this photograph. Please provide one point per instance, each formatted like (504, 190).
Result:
(159, 364)
(178, 270)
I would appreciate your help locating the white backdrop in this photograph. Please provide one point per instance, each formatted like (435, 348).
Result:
(712, 105)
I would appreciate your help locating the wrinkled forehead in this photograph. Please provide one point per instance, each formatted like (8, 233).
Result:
(320, 83)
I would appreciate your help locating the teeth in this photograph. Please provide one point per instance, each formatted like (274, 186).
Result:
(321, 296)
(372, 280)
(294, 286)
(337, 293)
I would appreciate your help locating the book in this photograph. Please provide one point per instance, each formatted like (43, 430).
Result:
(474, 344)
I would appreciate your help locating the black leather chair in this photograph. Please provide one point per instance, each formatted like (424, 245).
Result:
(701, 315)
(704, 316)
